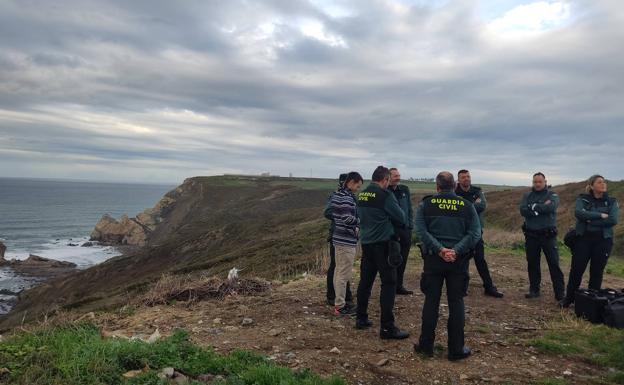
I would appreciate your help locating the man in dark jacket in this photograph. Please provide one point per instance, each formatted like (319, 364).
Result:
(379, 213)
(474, 194)
(327, 213)
(449, 228)
(402, 194)
(539, 209)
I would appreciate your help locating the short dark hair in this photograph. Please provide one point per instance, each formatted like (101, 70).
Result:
(462, 171)
(393, 169)
(539, 173)
(445, 180)
(380, 174)
(353, 176)
(341, 179)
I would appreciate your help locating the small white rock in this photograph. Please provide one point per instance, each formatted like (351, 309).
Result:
(154, 337)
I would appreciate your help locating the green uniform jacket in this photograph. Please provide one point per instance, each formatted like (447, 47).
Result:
(402, 194)
(378, 209)
(447, 220)
(588, 210)
(538, 215)
(472, 195)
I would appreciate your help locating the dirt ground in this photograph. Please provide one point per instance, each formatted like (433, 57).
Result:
(293, 325)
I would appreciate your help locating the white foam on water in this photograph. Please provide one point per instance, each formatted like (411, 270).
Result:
(62, 251)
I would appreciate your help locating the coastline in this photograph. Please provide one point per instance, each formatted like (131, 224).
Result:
(13, 283)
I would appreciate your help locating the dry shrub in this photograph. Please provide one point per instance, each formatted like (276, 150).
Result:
(495, 237)
(316, 265)
(190, 289)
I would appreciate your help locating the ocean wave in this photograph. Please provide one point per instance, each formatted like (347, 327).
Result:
(62, 251)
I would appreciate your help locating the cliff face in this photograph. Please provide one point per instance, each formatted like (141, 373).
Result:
(137, 231)
(206, 224)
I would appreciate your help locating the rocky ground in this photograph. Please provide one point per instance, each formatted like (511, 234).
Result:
(293, 325)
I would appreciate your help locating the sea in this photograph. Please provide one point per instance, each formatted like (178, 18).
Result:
(53, 219)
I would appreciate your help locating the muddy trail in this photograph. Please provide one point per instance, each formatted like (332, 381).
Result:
(292, 325)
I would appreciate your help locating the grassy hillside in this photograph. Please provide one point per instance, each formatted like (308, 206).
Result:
(327, 184)
(503, 212)
(268, 230)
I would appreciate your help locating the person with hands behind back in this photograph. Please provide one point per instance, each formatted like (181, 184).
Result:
(449, 228)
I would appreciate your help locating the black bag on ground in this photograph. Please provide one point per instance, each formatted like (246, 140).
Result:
(614, 312)
(590, 304)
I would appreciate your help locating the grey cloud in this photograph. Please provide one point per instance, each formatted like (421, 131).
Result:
(422, 86)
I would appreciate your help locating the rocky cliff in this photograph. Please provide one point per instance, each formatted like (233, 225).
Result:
(136, 231)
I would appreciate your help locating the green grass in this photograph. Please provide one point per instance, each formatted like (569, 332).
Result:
(578, 339)
(77, 354)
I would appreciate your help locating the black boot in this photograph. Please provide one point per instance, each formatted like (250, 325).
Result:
(566, 302)
(465, 353)
(424, 351)
(532, 294)
(393, 333)
(403, 291)
(363, 323)
(492, 291)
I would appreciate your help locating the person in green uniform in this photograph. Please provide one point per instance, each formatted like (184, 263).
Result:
(449, 229)
(596, 215)
(474, 194)
(539, 209)
(402, 194)
(379, 214)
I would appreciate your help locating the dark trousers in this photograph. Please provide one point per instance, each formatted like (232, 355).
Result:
(593, 249)
(481, 264)
(534, 245)
(435, 273)
(406, 245)
(331, 293)
(374, 260)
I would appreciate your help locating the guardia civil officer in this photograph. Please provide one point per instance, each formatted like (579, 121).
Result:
(402, 194)
(596, 215)
(379, 213)
(474, 194)
(539, 209)
(449, 228)
(327, 213)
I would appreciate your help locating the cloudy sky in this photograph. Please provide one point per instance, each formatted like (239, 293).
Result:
(157, 91)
